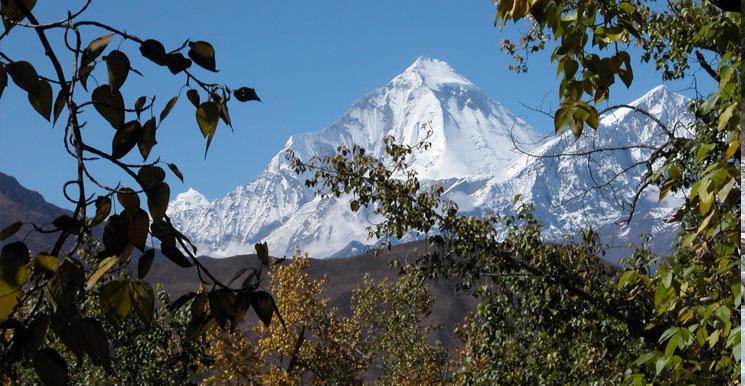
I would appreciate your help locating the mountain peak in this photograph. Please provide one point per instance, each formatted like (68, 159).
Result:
(188, 200)
(470, 134)
(432, 73)
(660, 101)
(656, 93)
(471, 156)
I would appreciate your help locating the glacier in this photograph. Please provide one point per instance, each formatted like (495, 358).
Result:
(481, 153)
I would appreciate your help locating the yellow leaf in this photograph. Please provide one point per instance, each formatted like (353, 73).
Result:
(103, 267)
(726, 115)
(47, 262)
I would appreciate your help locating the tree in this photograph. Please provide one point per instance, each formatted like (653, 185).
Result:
(45, 296)
(695, 290)
(672, 313)
(395, 339)
(385, 340)
(313, 346)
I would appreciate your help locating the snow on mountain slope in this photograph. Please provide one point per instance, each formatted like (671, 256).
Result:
(190, 200)
(470, 132)
(565, 189)
(470, 136)
(472, 156)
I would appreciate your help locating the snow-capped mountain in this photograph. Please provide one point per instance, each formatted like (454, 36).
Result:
(591, 182)
(472, 156)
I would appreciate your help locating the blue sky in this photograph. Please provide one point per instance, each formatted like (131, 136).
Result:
(309, 61)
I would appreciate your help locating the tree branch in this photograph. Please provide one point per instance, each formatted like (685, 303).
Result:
(705, 65)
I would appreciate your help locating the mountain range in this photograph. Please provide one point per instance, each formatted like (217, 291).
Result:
(18, 203)
(481, 153)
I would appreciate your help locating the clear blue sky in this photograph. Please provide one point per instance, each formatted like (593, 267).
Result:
(308, 60)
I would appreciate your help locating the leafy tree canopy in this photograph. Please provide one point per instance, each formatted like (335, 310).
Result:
(554, 313)
(46, 296)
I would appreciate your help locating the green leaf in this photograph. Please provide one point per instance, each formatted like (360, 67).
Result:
(172, 252)
(627, 7)
(103, 267)
(150, 176)
(51, 367)
(47, 262)
(59, 103)
(110, 105)
(94, 49)
(625, 277)
(737, 294)
(222, 305)
(167, 109)
(24, 76)
(178, 303)
(67, 224)
(726, 115)
(175, 171)
(197, 327)
(13, 13)
(96, 343)
(704, 150)
(245, 94)
(83, 75)
(13, 259)
(125, 139)
(139, 105)
(660, 295)
(154, 51)
(263, 303)
(116, 300)
(576, 128)
(145, 262)
(10, 230)
(157, 200)
(193, 96)
(143, 298)
(714, 338)
(593, 120)
(177, 62)
(673, 345)
(627, 76)
(561, 119)
(644, 358)
(199, 305)
(117, 64)
(660, 364)
(667, 279)
(146, 140)
(129, 199)
(103, 208)
(724, 313)
(667, 334)
(138, 224)
(736, 352)
(9, 295)
(203, 54)
(42, 100)
(207, 116)
(224, 113)
(570, 68)
(242, 304)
